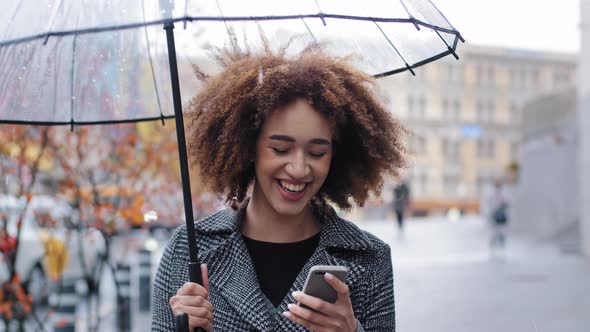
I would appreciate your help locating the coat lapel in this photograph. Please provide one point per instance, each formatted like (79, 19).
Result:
(232, 272)
(334, 237)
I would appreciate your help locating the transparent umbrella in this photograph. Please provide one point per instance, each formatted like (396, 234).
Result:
(66, 62)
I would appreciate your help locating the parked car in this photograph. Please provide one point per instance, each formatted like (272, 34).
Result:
(52, 244)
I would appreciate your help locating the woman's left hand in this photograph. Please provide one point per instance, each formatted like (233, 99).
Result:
(337, 316)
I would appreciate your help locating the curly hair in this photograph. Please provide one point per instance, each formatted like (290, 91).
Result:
(227, 117)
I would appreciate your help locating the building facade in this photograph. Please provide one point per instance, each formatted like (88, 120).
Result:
(465, 117)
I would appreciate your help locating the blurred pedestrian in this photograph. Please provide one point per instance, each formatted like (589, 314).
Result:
(282, 139)
(401, 201)
(494, 207)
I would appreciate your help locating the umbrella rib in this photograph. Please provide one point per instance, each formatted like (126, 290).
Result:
(449, 23)
(448, 47)
(185, 14)
(234, 18)
(416, 65)
(52, 19)
(88, 123)
(232, 38)
(309, 31)
(395, 48)
(147, 42)
(320, 12)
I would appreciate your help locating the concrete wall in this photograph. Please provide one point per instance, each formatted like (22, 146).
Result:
(545, 199)
(584, 125)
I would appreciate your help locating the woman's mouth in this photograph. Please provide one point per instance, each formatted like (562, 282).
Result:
(291, 191)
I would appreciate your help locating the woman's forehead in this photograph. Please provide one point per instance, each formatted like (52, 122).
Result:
(297, 120)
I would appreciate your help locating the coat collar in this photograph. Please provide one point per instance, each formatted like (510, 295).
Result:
(335, 232)
(232, 272)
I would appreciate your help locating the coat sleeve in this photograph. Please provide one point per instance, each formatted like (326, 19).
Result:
(162, 316)
(380, 305)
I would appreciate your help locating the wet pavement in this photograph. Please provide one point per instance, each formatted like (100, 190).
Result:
(447, 279)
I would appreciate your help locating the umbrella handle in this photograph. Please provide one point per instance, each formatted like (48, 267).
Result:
(182, 324)
(194, 273)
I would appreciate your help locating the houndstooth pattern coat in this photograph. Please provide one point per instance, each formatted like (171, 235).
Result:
(240, 305)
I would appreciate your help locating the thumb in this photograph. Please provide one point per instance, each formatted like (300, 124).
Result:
(205, 276)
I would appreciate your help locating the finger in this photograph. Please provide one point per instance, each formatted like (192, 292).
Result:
(315, 303)
(339, 286)
(294, 318)
(311, 316)
(205, 276)
(191, 288)
(191, 301)
(199, 312)
(194, 322)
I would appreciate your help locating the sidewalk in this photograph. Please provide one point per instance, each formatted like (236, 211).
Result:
(446, 280)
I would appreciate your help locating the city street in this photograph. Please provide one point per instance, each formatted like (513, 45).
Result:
(445, 280)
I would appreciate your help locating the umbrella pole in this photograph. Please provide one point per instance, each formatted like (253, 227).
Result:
(194, 268)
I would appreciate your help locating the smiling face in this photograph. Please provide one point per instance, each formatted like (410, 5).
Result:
(293, 155)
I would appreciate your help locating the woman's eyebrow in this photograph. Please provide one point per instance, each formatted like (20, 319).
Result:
(285, 138)
(321, 141)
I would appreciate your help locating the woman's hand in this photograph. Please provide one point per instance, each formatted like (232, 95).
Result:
(337, 316)
(193, 300)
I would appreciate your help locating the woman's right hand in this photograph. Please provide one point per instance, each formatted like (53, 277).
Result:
(193, 300)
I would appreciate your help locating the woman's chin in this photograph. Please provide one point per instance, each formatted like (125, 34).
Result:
(287, 208)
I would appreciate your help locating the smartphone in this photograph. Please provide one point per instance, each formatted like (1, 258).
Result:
(317, 286)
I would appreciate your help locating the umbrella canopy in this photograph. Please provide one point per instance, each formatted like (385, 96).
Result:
(92, 62)
(97, 62)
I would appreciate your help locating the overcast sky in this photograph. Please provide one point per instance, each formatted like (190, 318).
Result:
(530, 24)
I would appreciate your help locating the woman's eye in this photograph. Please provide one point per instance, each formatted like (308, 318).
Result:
(317, 155)
(279, 151)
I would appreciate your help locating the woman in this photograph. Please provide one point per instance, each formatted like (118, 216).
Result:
(280, 138)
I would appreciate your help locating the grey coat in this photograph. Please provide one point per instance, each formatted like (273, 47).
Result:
(240, 305)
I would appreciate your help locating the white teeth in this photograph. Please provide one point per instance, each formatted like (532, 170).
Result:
(292, 187)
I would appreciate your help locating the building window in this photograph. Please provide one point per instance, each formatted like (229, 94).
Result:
(486, 148)
(457, 110)
(451, 111)
(416, 108)
(491, 75)
(422, 108)
(535, 82)
(480, 183)
(484, 111)
(451, 184)
(417, 144)
(479, 111)
(491, 110)
(515, 114)
(478, 74)
(451, 149)
(514, 151)
(420, 182)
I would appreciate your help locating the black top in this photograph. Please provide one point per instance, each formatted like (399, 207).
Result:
(278, 264)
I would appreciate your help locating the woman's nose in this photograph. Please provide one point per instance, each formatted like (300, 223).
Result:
(298, 167)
